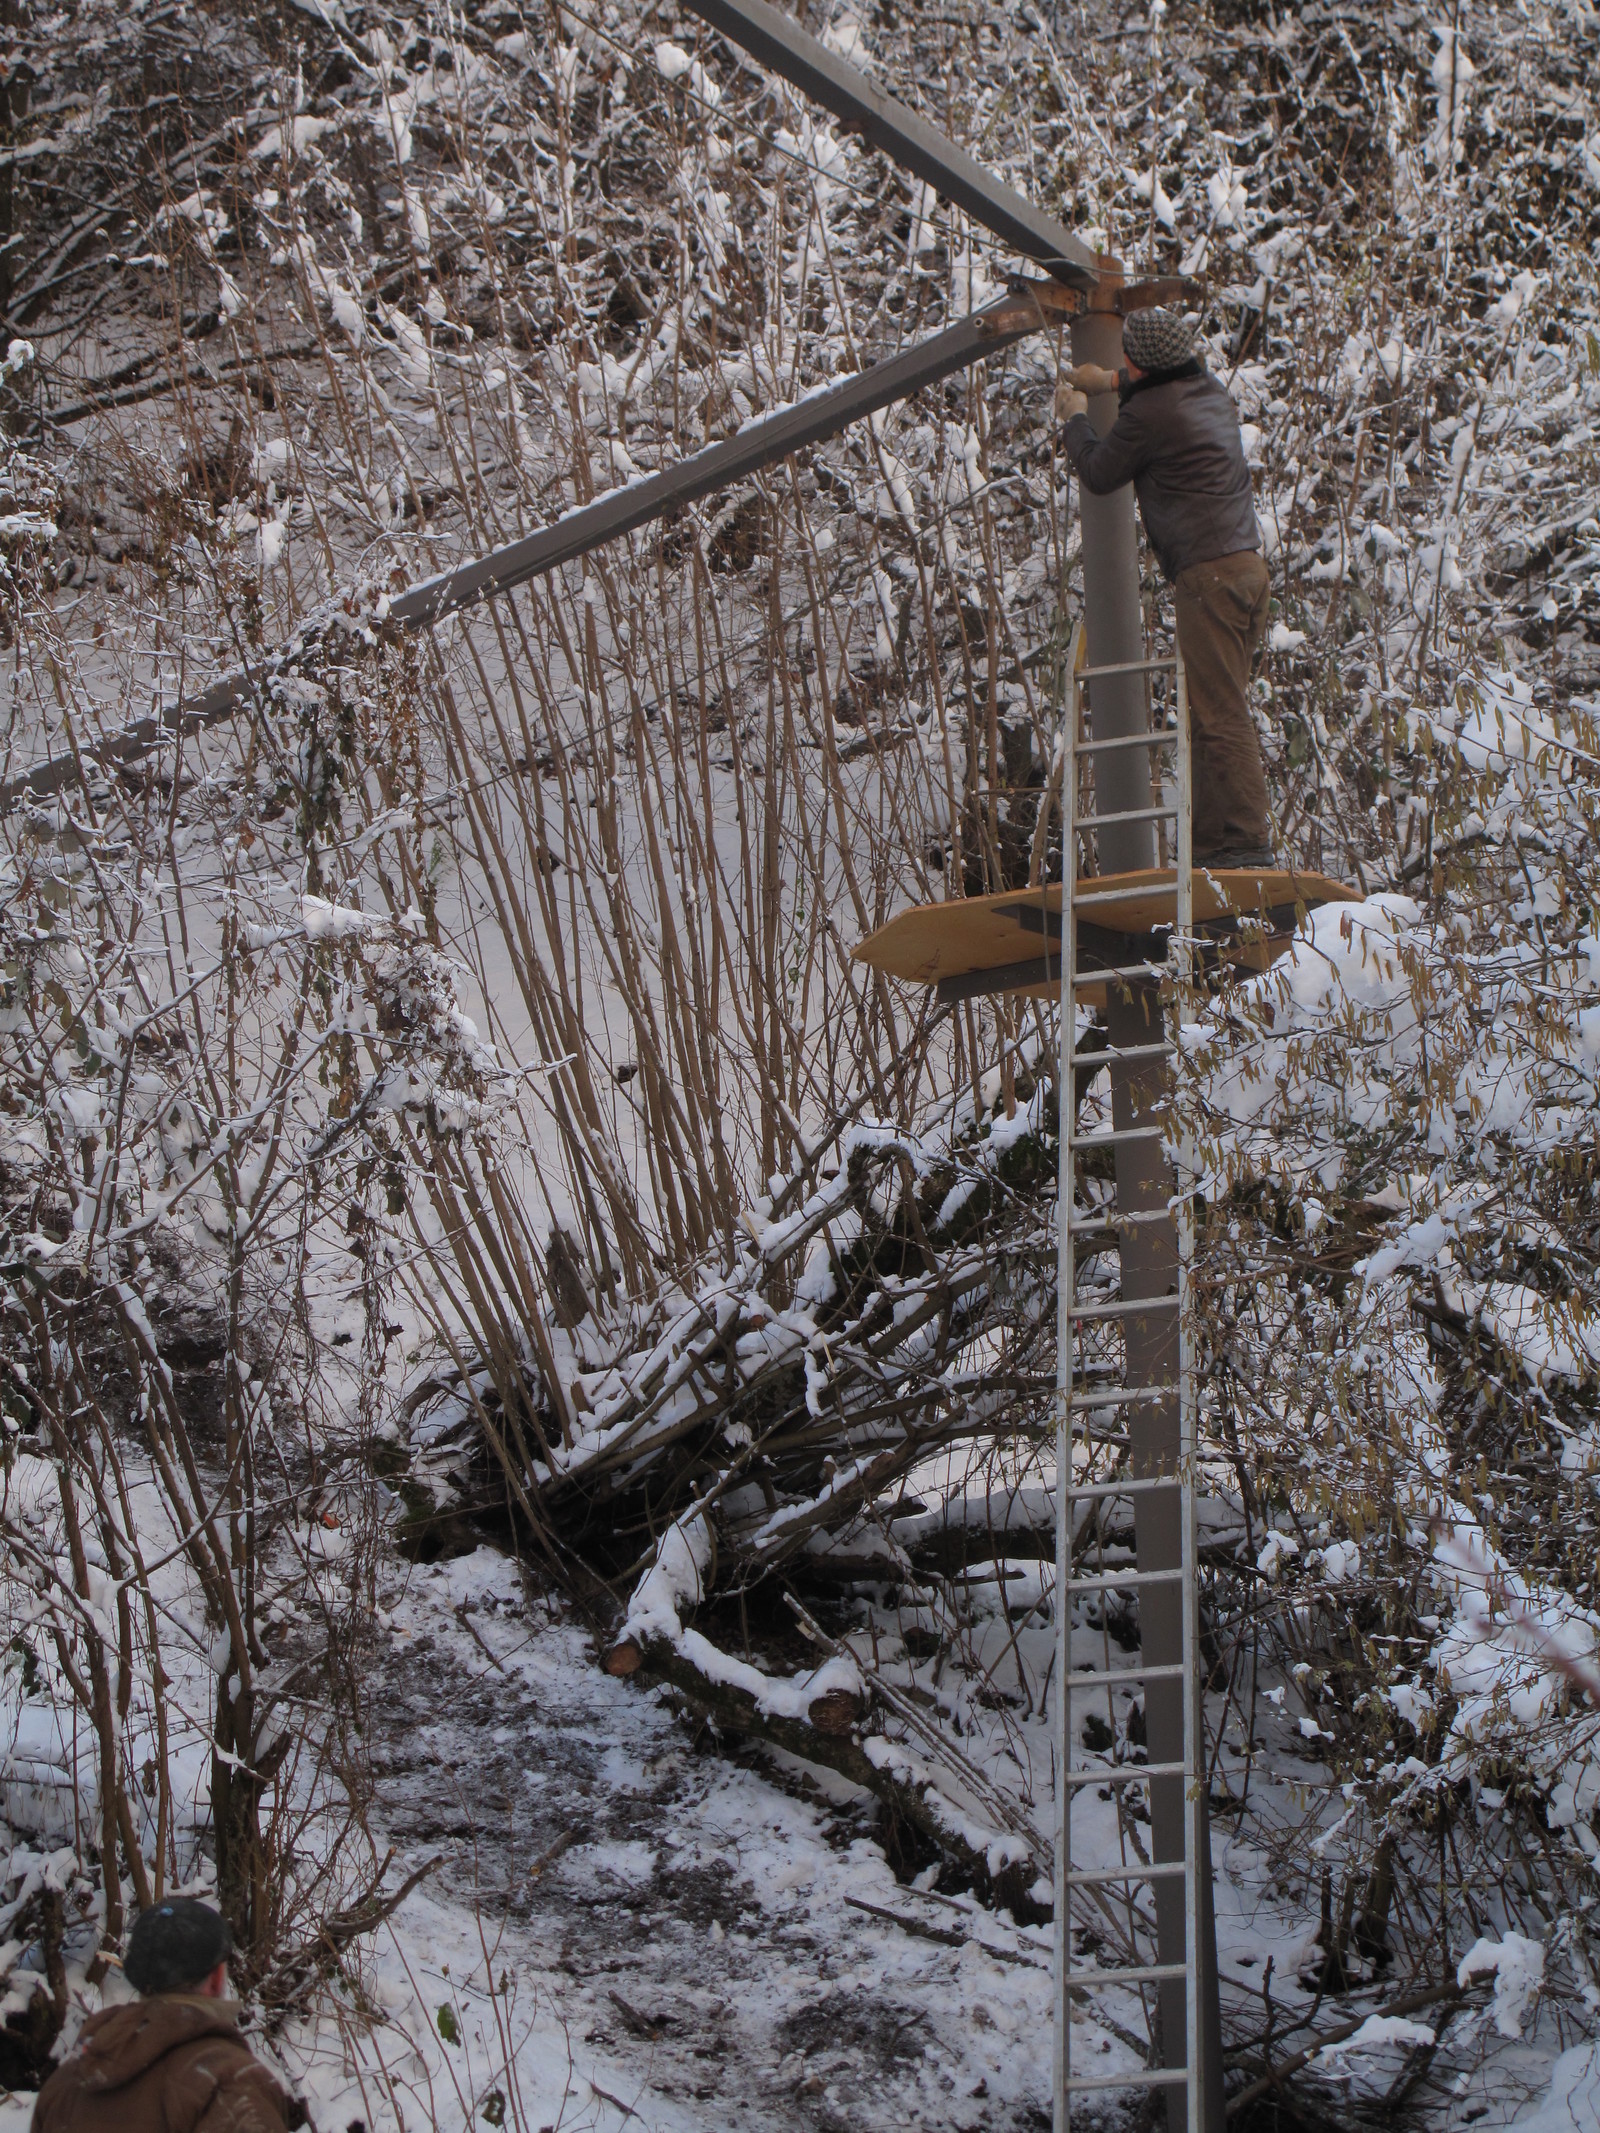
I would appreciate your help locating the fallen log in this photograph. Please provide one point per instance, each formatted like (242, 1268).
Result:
(832, 1735)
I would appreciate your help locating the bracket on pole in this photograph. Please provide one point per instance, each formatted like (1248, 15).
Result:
(1056, 304)
(1145, 295)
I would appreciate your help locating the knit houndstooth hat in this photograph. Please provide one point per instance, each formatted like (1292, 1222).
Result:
(1157, 340)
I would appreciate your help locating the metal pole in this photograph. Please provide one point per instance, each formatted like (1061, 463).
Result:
(811, 420)
(1066, 1091)
(778, 41)
(1149, 1253)
(1202, 1999)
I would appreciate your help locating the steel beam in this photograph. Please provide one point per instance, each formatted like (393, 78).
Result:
(809, 421)
(778, 42)
(812, 420)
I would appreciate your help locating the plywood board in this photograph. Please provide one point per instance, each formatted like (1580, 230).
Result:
(971, 935)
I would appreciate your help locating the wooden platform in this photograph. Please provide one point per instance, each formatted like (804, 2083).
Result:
(1010, 943)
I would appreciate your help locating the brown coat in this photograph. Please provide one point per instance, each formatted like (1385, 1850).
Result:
(174, 2063)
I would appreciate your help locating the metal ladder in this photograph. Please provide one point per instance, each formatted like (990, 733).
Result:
(1092, 1451)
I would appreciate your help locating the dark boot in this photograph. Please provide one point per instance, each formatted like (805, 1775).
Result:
(1241, 859)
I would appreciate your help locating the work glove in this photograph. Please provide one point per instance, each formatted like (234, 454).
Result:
(1069, 402)
(1093, 378)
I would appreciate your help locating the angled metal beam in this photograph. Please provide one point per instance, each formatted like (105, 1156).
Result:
(812, 420)
(819, 416)
(778, 42)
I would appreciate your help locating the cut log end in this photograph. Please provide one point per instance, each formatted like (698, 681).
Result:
(624, 1658)
(836, 1712)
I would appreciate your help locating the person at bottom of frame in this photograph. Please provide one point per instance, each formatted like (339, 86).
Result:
(173, 2060)
(1176, 438)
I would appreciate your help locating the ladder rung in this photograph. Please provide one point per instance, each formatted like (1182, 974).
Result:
(1128, 1393)
(1124, 666)
(1135, 1974)
(1101, 1223)
(1163, 1672)
(1129, 1307)
(1142, 1483)
(1093, 1877)
(1128, 1774)
(1124, 1581)
(1163, 739)
(1125, 814)
(1147, 2077)
(1115, 1137)
(1122, 1054)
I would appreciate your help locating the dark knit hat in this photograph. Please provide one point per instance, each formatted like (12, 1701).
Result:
(175, 1945)
(1157, 340)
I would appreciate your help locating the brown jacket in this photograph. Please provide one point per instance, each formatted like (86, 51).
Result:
(174, 2063)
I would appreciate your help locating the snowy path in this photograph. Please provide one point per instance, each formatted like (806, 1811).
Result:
(690, 1958)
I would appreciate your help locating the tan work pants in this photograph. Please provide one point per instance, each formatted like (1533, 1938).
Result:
(1222, 614)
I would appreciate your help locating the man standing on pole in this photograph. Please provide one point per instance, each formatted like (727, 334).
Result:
(1176, 438)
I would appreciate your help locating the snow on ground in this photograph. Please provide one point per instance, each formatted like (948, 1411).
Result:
(1573, 2104)
(630, 1926)
(665, 1937)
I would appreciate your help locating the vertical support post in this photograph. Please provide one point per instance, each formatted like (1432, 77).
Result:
(1204, 2100)
(1066, 1088)
(1149, 1253)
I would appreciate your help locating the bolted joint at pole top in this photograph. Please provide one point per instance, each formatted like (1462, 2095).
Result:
(1037, 304)
(1145, 295)
(1109, 283)
(1113, 292)
(1053, 303)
